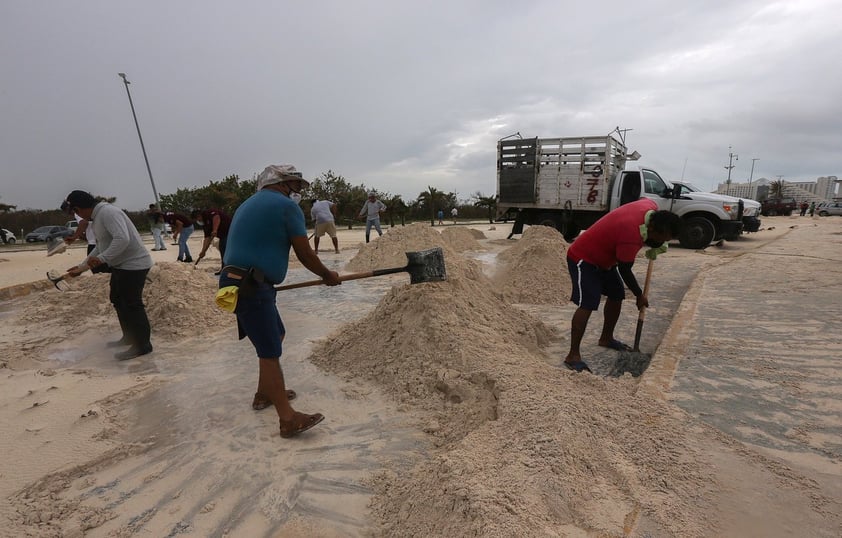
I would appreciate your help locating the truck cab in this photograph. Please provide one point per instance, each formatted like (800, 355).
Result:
(707, 217)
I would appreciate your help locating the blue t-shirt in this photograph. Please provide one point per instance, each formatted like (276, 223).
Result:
(260, 233)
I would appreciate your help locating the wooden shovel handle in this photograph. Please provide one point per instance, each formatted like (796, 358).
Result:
(649, 268)
(342, 278)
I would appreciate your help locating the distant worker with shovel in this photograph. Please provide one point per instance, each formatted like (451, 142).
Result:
(323, 213)
(371, 212)
(119, 245)
(214, 224)
(263, 229)
(600, 260)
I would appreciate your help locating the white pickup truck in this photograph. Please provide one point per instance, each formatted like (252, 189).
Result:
(569, 183)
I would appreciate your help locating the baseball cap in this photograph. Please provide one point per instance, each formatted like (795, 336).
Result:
(278, 173)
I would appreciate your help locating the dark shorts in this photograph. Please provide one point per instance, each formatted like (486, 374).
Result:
(258, 318)
(590, 283)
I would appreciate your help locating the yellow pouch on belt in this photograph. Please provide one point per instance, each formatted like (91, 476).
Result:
(226, 298)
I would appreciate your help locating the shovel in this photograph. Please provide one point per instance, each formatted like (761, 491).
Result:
(422, 266)
(642, 313)
(52, 277)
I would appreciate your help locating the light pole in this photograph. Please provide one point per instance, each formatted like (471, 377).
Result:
(750, 177)
(142, 147)
(731, 158)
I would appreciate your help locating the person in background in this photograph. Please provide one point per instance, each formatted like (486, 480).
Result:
(262, 231)
(83, 228)
(182, 227)
(812, 208)
(371, 212)
(157, 226)
(323, 213)
(440, 215)
(118, 244)
(454, 213)
(804, 206)
(600, 260)
(215, 224)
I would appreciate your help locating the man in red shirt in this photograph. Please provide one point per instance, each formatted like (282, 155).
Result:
(600, 260)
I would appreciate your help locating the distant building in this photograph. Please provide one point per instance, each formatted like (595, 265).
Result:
(824, 189)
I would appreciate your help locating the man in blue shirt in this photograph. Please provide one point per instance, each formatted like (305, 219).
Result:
(262, 231)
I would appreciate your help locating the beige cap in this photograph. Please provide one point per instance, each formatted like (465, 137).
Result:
(278, 173)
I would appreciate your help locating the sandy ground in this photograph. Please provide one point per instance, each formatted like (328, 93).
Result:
(447, 411)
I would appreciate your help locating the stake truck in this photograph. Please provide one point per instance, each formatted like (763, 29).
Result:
(569, 183)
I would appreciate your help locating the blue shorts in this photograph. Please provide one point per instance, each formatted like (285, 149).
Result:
(258, 318)
(590, 283)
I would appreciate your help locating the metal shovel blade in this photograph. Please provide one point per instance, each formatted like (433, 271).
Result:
(426, 266)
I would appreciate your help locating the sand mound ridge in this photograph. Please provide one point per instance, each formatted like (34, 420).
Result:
(390, 249)
(461, 239)
(179, 302)
(534, 269)
(430, 342)
(472, 368)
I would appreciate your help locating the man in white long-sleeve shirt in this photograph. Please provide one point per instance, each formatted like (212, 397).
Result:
(119, 245)
(371, 210)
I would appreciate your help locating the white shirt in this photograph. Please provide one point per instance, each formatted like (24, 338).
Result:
(320, 212)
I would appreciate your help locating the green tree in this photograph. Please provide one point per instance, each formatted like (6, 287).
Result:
(776, 189)
(431, 199)
(488, 202)
(226, 194)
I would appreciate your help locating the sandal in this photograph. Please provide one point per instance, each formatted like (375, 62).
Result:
(300, 422)
(261, 401)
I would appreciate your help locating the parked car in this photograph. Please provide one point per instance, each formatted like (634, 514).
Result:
(41, 234)
(10, 237)
(831, 208)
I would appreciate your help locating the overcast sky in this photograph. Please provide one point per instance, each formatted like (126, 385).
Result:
(404, 95)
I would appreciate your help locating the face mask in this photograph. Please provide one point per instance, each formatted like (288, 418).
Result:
(295, 197)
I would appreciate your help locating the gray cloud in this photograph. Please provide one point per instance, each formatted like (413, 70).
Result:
(400, 96)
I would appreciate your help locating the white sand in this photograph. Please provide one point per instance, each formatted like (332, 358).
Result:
(448, 415)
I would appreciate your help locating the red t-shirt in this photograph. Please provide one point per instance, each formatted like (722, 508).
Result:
(613, 238)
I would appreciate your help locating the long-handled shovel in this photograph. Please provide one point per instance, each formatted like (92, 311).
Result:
(642, 313)
(422, 266)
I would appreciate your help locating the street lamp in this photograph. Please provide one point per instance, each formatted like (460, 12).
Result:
(750, 177)
(731, 158)
(142, 147)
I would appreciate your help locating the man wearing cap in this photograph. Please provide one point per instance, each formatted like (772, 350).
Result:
(371, 211)
(118, 244)
(262, 231)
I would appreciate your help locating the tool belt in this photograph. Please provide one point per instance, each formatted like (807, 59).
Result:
(249, 278)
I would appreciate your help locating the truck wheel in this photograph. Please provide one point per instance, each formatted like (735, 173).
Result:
(548, 219)
(697, 234)
(788, 213)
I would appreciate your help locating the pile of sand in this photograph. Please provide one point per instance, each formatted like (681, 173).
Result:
(390, 249)
(179, 302)
(534, 269)
(525, 448)
(461, 239)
